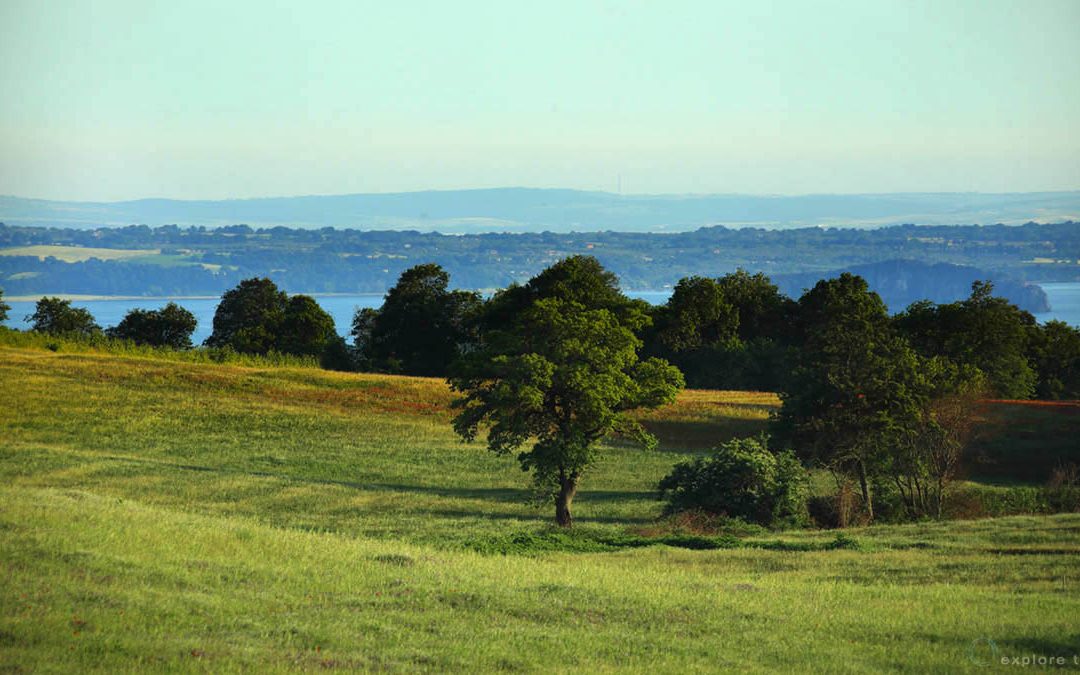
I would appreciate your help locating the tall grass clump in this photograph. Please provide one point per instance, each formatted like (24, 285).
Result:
(99, 343)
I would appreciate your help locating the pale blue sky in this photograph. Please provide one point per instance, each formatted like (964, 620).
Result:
(115, 100)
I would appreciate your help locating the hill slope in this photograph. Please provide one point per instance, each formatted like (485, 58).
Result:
(203, 517)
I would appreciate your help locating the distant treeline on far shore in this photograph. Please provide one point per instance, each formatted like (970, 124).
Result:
(902, 263)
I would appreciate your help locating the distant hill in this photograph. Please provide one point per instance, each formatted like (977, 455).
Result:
(538, 210)
(902, 282)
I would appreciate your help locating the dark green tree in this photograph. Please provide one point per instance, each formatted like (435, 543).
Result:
(1055, 353)
(983, 331)
(560, 376)
(306, 328)
(57, 317)
(581, 279)
(249, 317)
(4, 307)
(337, 355)
(363, 324)
(696, 315)
(731, 332)
(763, 311)
(421, 327)
(170, 326)
(856, 387)
(696, 330)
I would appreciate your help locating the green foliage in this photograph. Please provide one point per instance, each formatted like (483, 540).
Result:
(577, 279)
(983, 331)
(170, 326)
(727, 333)
(763, 311)
(857, 386)
(741, 479)
(306, 329)
(696, 315)
(258, 318)
(421, 328)
(4, 307)
(57, 317)
(1055, 354)
(987, 501)
(339, 356)
(249, 317)
(562, 376)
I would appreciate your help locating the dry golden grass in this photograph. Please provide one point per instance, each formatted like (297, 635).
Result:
(77, 253)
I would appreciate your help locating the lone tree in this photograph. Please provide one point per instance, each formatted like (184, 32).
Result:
(561, 376)
(57, 317)
(170, 326)
(4, 307)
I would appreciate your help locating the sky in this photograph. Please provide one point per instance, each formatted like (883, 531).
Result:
(113, 100)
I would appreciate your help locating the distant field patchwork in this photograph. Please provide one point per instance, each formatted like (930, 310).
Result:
(73, 254)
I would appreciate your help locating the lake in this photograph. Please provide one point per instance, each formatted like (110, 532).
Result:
(1064, 301)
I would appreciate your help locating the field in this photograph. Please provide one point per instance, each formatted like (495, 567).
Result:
(73, 254)
(221, 517)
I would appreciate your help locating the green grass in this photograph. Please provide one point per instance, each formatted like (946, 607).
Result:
(215, 518)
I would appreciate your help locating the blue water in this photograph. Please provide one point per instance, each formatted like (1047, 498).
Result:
(1064, 301)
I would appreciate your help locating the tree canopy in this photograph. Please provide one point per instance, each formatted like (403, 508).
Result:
(856, 386)
(57, 317)
(421, 327)
(256, 317)
(1055, 353)
(170, 326)
(306, 328)
(249, 317)
(983, 331)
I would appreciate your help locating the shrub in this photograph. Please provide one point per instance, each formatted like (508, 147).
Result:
(742, 479)
(1063, 491)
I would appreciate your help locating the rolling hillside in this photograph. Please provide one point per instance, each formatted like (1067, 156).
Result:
(210, 517)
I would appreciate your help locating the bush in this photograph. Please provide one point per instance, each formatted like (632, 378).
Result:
(1060, 495)
(742, 479)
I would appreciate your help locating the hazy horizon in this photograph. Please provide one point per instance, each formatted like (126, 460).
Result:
(120, 100)
(497, 188)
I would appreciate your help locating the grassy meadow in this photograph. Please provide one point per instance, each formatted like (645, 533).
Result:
(242, 516)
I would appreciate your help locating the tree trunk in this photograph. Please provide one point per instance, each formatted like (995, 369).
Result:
(567, 489)
(868, 500)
